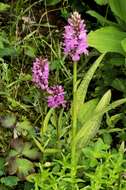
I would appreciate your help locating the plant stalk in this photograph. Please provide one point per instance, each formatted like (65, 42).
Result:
(74, 126)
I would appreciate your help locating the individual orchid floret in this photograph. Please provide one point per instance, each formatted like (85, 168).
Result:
(75, 37)
(56, 97)
(40, 72)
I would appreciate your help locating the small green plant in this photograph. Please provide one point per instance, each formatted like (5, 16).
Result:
(104, 168)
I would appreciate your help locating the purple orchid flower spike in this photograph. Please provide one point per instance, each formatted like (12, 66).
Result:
(56, 97)
(75, 37)
(40, 72)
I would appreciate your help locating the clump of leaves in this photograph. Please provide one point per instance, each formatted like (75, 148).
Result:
(111, 37)
(104, 169)
(21, 157)
(6, 181)
(53, 175)
(24, 128)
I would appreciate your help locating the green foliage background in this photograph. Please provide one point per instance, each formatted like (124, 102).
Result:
(35, 141)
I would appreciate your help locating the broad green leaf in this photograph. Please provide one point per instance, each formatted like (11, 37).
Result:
(24, 166)
(12, 153)
(9, 181)
(119, 8)
(107, 138)
(123, 43)
(8, 121)
(82, 89)
(107, 39)
(101, 19)
(25, 127)
(90, 128)
(4, 7)
(101, 2)
(30, 152)
(119, 84)
(85, 110)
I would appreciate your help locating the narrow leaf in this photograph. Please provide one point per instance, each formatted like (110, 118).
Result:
(114, 104)
(101, 2)
(38, 144)
(46, 121)
(101, 19)
(82, 89)
(104, 101)
(90, 128)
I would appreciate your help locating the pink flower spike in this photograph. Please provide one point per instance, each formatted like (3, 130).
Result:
(40, 72)
(75, 37)
(56, 97)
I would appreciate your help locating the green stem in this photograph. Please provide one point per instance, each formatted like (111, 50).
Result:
(74, 98)
(57, 133)
(74, 126)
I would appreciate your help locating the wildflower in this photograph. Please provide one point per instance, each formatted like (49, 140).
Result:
(75, 37)
(40, 72)
(56, 97)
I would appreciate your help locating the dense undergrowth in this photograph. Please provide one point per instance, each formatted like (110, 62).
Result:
(76, 142)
